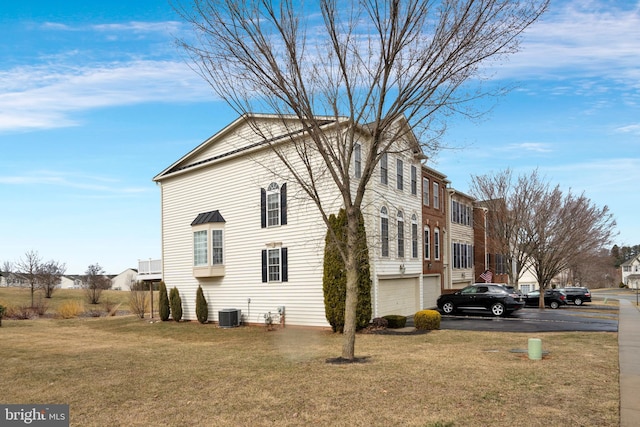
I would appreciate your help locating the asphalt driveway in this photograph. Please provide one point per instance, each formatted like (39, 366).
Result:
(590, 317)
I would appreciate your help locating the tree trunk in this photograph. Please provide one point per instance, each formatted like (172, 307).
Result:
(351, 300)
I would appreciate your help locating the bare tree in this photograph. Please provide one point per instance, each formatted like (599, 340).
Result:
(28, 267)
(541, 226)
(50, 275)
(6, 269)
(351, 63)
(95, 282)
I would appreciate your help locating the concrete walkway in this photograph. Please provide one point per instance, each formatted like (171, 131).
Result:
(629, 358)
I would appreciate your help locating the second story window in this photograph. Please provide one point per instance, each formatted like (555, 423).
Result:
(414, 236)
(273, 205)
(436, 243)
(427, 241)
(414, 180)
(216, 247)
(200, 248)
(384, 232)
(400, 235)
(436, 195)
(399, 174)
(425, 191)
(384, 169)
(357, 160)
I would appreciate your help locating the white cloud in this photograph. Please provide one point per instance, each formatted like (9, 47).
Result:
(536, 147)
(93, 184)
(42, 97)
(633, 129)
(588, 38)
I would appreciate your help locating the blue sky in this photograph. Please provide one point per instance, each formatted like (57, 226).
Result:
(95, 100)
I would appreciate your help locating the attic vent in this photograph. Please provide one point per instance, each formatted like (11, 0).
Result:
(229, 318)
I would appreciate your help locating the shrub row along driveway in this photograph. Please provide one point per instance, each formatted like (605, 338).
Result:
(593, 317)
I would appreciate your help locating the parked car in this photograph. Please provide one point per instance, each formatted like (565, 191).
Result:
(481, 297)
(577, 295)
(552, 298)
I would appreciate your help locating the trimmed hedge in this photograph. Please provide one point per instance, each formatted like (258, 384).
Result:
(427, 320)
(164, 302)
(202, 309)
(395, 321)
(176, 304)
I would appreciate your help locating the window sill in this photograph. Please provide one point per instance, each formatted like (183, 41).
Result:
(208, 271)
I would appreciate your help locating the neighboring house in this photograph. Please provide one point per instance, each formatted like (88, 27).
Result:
(631, 272)
(70, 282)
(124, 280)
(236, 223)
(460, 240)
(487, 255)
(434, 227)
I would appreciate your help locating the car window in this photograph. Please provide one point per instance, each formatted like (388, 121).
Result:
(483, 289)
(469, 290)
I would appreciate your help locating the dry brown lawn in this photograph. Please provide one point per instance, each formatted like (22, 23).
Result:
(123, 371)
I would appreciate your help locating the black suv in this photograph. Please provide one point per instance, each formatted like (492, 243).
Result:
(577, 295)
(479, 297)
(552, 298)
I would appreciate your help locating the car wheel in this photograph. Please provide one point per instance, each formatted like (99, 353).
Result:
(554, 304)
(578, 301)
(448, 307)
(497, 309)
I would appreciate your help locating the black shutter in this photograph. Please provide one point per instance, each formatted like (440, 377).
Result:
(264, 266)
(283, 204)
(263, 208)
(285, 265)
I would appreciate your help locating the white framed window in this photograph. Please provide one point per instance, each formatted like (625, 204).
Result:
(427, 242)
(414, 180)
(275, 265)
(357, 160)
(400, 235)
(436, 195)
(200, 248)
(384, 169)
(425, 191)
(273, 205)
(436, 243)
(384, 232)
(208, 244)
(217, 246)
(399, 174)
(414, 236)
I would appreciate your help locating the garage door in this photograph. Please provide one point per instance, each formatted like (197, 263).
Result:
(430, 291)
(398, 296)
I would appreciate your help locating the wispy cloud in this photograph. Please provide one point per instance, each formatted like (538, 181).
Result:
(633, 129)
(93, 184)
(529, 147)
(41, 97)
(589, 38)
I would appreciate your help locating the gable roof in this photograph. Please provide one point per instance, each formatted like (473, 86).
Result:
(631, 261)
(186, 162)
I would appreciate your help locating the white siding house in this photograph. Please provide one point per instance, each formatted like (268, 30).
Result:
(460, 240)
(235, 222)
(631, 272)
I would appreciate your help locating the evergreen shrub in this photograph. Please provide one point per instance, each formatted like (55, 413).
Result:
(163, 301)
(176, 304)
(396, 321)
(427, 320)
(202, 309)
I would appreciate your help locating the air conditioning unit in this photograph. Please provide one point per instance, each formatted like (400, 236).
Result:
(229, 318)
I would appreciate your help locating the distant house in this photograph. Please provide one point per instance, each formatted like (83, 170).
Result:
(631, 272)
(125, 280)
(70, 282)
(460, 240)
(235, 222)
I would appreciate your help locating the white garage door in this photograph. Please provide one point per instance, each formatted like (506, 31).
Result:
(430, 291)
(398, 296)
